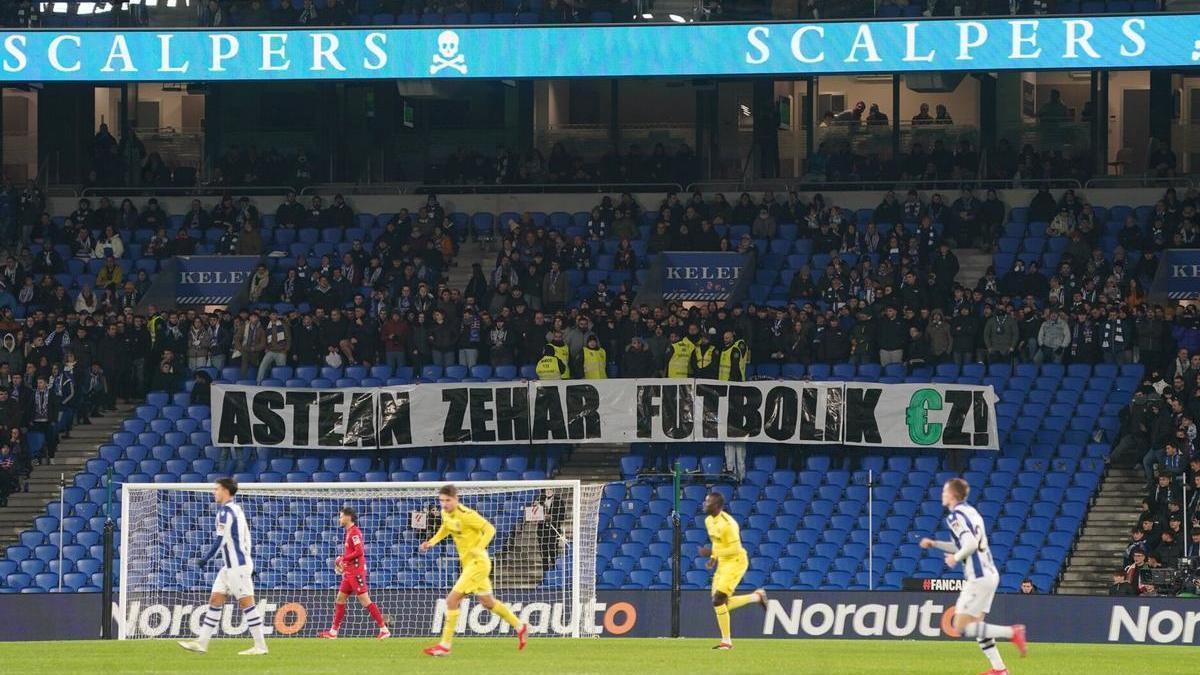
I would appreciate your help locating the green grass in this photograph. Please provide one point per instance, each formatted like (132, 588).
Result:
(612, 655)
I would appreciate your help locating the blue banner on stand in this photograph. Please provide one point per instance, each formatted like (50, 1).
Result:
(1178, 276)
(212, 279)
(927, 45)
(701, 276)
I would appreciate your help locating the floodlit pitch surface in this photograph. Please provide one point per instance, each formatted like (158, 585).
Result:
(624, 656)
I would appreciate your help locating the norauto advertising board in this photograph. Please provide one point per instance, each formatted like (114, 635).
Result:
(842, 615)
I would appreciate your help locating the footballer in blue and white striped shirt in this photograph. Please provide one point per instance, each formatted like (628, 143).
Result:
(981, 578)
(236, 577)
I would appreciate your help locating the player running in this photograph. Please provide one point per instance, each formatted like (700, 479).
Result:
(236, 575)
(970, 547)
(731, 562)
(352, 565)
(472, 533)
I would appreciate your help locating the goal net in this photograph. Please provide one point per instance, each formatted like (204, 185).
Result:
(543, 557)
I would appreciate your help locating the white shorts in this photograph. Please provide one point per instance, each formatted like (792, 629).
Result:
(976, 596)
(236, 582)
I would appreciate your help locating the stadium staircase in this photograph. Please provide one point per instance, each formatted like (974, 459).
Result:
(520, 564)
(972, 265)
(469, 252)
(73, 454)
(1100, 548)
(594, 464)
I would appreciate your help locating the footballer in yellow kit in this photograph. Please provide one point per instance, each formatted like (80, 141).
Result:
(471, 533)
(731, 561)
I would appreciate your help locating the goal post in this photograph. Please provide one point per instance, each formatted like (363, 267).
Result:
(543, 557)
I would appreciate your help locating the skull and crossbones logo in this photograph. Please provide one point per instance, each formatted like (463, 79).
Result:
(448, 56)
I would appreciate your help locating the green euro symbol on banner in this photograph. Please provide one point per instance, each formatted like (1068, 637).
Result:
(920, 429)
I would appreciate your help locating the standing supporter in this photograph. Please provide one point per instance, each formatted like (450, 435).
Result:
(278, 340)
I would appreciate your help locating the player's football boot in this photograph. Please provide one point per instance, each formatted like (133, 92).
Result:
(383, 633)
(436, 650)
(522, 636)
(762, 597)
(253, 651)
(724, 646)
(993, 671)
(1019, 641)
(330, 634)
(192, 646)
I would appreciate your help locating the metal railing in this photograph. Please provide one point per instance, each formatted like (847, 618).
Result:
(867, 137)
(781, 185)
(548, 188)
(176, 191)
(801, 185)
(359, 189)
(596, 139)
(1140, 182)
(752, 185)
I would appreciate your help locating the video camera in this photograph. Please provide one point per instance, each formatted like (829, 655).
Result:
(1173, 580)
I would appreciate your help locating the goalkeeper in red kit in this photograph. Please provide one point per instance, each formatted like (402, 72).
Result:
(352, 565)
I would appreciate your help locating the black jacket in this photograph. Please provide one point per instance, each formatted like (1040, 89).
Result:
(637, 363)
(307, 347)
(965, 330)
(834, 345)
(892, 333)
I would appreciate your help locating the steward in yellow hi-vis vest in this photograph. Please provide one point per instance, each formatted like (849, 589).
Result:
(595, 360)
(705, 359)
(728, 556)
(679, 356)
(733, 359)
(563, 353)
(549, 367)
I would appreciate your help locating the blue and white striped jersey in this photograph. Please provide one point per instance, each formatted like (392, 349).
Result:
(234, 534)
(963, 519)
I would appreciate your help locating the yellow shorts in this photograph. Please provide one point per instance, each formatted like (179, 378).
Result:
(475, 578)
(729, 574)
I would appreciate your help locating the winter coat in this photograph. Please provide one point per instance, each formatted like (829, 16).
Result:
(940, 338)
(1000, 334)
(1055, 334)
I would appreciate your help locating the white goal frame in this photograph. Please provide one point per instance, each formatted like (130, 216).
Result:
(576, 487)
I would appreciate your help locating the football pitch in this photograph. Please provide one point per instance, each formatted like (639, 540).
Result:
(623, 656)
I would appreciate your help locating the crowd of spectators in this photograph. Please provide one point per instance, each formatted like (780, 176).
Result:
(841, 159)
(888, 292)
(128, 162)
(561, 166)
(938, 152)
(1158, 436)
